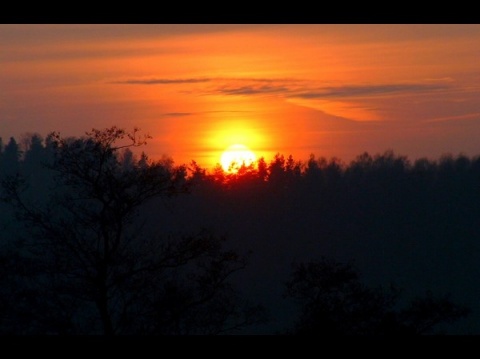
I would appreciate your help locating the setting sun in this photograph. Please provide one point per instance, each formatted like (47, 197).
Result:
(235, 156)
(206, 179)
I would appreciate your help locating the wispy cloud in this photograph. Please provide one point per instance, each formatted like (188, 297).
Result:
(252, 90)
(302, 89)
(177, 114)
(227, 83)
(468, 116)
(292, 88)
(155, 81)
(366, 90)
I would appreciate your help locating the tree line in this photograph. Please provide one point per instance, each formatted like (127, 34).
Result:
(80, 255)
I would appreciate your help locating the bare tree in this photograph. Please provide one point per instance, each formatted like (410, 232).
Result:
(91, 249)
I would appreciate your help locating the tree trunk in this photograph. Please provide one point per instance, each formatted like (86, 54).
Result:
(102, 305)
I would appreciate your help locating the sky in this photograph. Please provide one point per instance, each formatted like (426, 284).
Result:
(332, 90)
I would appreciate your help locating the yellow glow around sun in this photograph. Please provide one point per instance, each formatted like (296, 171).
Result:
(235, 156)
(235, 140)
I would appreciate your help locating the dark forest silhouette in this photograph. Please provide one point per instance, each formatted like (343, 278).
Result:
(95, 240)
(87, 265)
(334, 301)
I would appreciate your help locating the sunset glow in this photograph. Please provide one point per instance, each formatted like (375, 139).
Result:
(330, 90)
(236, 156)
(311, 179)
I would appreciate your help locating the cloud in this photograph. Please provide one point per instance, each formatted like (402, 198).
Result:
(155, 81)
(176, 114)
(252, 90)
(293, 88)
(468, 116)
(230, 85)
(248, 86)
(226, 86)
(366, 90)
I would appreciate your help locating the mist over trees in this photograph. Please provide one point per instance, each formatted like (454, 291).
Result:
(98, 240)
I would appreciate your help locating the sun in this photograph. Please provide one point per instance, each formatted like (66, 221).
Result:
(235, 156)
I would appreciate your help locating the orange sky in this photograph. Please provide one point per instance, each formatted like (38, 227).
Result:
(331, 90)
